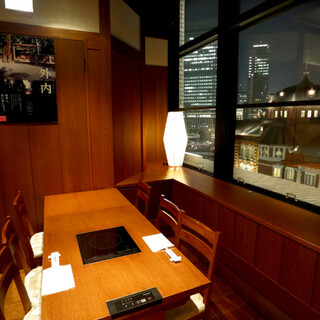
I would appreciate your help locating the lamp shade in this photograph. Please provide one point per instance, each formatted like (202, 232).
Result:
(175, 138)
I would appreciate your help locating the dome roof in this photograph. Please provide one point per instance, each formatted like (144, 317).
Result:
(305, 90)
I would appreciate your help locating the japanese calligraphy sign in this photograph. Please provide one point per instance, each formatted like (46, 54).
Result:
(27, 79)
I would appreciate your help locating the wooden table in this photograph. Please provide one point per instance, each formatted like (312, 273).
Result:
(68, 214)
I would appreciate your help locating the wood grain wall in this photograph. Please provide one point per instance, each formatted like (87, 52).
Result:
(111, 118)
(76, 153)
(155, 110)
(139, 101)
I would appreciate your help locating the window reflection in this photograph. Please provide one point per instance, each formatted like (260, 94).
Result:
(246, 5)
(200, 127)
(196, 18)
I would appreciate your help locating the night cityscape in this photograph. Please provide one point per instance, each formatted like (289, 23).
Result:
(275, 65)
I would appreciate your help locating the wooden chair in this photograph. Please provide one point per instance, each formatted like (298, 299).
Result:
(22, 218)
(33, 277)
(168, 216)
(9, 272)
(142, 202)
(203, 241)
(10, 239)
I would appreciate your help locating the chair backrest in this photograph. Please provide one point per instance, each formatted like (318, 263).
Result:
(168, 215)
(203, 240)
(142, 202)
(22, 213)
(18, 217)
(10, 239)
(9, 271)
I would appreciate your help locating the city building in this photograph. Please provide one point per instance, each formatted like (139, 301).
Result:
(258, 73)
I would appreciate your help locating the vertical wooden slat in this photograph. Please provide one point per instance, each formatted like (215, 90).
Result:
(227, 225)
(46, 165)
(196, 205)
(72, 115)
(126, 102)
(181, 196)
(245, 235)
(298, 269)
(100, 118)
(316, 287)
(16, 173)
(155, 108)
(268, 252)
(211, 214)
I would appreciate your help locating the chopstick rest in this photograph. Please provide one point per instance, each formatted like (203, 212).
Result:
(55, 259)
(173, 256)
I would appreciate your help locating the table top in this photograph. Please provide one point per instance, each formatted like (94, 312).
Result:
(68, 214)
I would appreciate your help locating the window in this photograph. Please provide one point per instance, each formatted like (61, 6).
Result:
(289, 173)
(249, 4)
(196, 18)
(277, 172)
(310, 179)
(20, 5)
(198, 77)
(200, 127)
(275, 68)
(257, 80)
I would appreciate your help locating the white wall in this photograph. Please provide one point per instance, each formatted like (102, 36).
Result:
(156, 52)
(81, 15)
(125, 23)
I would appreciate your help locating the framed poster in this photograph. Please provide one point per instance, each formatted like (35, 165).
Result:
(27, 79)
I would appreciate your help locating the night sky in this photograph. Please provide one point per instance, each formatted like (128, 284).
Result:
(293, 38)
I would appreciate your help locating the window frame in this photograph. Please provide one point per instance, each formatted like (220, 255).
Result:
(230, 23)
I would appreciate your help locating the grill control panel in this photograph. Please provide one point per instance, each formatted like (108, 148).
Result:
(134, 302)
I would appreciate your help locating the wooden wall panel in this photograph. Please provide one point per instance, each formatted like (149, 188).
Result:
(211, 214)
(316, 287)
(2, 208)
(155, 109)
(245, 235)
(46, 165)
(100, 121)
(158, 188)
(227, 225)
(126, 102)
(72, 115)
(196, 206)
(298, 269)
(16, 173)
(268, 252)
(181, 196)
(42, 159)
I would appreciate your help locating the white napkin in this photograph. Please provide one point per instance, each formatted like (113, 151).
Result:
(157, 242)
(57, 279)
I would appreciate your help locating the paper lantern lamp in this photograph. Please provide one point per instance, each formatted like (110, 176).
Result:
(175, 138)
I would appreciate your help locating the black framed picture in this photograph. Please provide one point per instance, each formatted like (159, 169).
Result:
(27, 79)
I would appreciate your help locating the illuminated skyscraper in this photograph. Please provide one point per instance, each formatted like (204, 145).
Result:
(258, 75)
(200, 77)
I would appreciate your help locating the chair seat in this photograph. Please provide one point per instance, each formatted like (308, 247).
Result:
(36, 242)
(190, 309)
(34, 313)
(33, 283)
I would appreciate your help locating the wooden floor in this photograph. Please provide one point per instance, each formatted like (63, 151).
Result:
(227, 305)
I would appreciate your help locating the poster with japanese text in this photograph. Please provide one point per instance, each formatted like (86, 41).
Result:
(27, 79)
